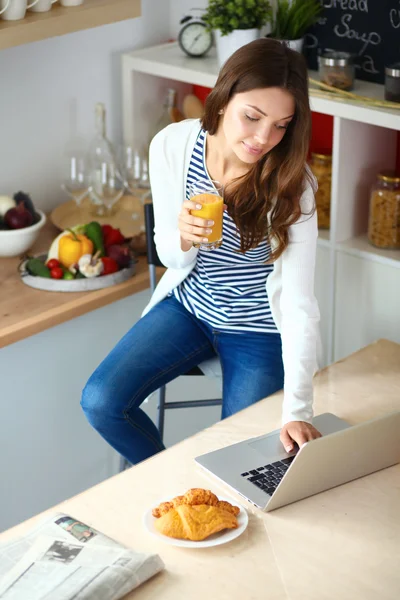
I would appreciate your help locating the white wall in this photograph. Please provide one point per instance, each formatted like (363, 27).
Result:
(49, 88)
(179, 8)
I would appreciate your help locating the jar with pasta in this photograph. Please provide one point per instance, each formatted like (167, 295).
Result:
(321, 166)
(384, 211)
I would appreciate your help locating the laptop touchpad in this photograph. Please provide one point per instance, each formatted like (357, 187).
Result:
(270, 447)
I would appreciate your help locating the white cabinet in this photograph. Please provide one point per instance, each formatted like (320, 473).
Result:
(366, 303)
(364, 140)
(48, 451)
(322, 293)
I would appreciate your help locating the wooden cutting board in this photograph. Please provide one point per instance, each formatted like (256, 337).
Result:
(128, 215)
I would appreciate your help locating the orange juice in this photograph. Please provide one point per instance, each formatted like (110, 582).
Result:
(212, 209)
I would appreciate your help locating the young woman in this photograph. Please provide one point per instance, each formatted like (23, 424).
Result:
(250, 302)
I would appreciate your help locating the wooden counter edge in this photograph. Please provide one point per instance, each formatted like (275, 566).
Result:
(78, 306)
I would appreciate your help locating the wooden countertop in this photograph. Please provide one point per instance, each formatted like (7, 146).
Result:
(25, 311)
(340, 544)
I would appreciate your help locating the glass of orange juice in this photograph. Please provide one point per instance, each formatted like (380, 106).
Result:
(208, 193)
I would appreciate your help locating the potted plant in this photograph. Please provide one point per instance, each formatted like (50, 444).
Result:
(292, 20)
(236, 23)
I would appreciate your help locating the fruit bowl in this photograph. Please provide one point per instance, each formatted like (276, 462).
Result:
(14, 242)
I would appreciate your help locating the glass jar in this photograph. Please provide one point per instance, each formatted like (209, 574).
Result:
(337, 69)
(392, 83)
(384, 211)
(321, 166)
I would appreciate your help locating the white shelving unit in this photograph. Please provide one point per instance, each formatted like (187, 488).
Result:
(354, 280)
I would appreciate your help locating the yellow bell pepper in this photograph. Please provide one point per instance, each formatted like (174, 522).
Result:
(71, 247)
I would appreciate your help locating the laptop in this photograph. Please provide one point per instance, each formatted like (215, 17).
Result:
(262, 472)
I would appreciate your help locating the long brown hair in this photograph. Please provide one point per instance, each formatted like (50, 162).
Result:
(280, 174)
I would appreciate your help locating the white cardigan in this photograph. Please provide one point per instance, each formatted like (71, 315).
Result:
(290, 286)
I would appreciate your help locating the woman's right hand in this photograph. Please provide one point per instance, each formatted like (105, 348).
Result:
(192, 229)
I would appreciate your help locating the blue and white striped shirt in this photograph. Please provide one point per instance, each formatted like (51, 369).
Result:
(227, 288)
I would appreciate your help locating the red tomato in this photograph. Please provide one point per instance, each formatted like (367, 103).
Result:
(110, 265)
(106, 229)
(56, 273)
(52, 263)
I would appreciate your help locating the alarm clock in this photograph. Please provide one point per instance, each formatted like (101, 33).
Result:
(194, 38)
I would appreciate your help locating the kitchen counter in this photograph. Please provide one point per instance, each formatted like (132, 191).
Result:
(340, 544)
(25, 311)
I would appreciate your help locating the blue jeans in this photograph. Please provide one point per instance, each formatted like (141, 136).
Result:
(164, 344)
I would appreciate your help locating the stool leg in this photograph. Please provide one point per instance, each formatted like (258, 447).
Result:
(123, 464)
(161, 411)
(153, 277)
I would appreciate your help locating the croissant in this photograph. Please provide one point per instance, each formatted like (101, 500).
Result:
(234, 510)
(193, 497)
(196, 522)
(162, 509)
(200, 496)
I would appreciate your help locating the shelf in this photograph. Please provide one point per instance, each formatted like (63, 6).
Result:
(324, 238)
(383, 117)
(168, 61)
(360, 247)
(61, 20)
(365, 140)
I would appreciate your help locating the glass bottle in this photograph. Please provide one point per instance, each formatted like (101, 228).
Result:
(321, 166)
(384, 211)
(101, 159)
(169, 114)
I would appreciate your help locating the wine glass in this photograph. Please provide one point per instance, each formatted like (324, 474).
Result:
(130, 161)
(144, 183)
(106, 187)
(75, 177)
(134, 168)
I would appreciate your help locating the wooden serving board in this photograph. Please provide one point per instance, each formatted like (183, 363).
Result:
(128, 215)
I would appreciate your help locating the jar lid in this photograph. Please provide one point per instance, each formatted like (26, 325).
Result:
(393, 70)
(333, 58)
(321, 155)
(389, 176)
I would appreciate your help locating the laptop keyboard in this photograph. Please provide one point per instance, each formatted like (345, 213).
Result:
(268, 477)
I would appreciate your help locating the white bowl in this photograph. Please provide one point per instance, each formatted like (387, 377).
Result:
(14, 242)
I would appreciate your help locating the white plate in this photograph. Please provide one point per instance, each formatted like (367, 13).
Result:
(223, 537)
(75, 285)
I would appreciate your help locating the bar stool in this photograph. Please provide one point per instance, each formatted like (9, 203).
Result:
(153, 262)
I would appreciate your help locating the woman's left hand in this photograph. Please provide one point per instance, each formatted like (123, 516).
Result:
(299, 432)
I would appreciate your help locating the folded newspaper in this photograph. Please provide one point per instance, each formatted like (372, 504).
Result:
(64, 559)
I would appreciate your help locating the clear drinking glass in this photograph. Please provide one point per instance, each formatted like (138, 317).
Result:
(106, 188)
(209, 194)
(75, 177)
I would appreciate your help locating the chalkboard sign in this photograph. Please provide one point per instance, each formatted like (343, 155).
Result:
(370, 29)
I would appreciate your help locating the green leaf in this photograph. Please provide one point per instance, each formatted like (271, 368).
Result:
(292, 20)
(237, 14)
